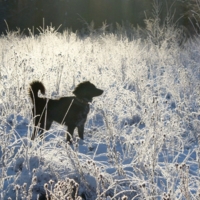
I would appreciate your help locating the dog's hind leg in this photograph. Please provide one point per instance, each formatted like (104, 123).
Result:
(70, 132)
(81, 131)
(34, 133)
(36, 127)
(45, 125)
(37, 131)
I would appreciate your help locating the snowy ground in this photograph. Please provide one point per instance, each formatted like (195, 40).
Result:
(141, 137)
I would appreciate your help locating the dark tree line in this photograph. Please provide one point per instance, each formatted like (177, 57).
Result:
(75, 14)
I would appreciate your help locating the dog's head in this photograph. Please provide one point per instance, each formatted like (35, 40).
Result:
(87, 91)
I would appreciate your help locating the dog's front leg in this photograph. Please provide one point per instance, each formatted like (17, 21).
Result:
(70, 132)
(81, 131)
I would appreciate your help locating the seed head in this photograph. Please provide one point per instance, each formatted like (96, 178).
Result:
(60, 193)
(76, 185)
(143, 185)
(34, 180)
(51, 182)
(17, 187)
(124, 198)
(45, 186)
(101, 176)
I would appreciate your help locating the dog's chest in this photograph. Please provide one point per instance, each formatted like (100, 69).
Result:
(82, 116)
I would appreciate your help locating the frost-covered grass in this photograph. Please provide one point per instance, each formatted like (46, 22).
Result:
(142, 135)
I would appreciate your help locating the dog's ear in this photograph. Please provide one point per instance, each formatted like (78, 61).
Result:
(75, 92)
(79, 92)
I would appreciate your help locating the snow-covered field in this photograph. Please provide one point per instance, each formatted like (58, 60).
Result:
(142, 135)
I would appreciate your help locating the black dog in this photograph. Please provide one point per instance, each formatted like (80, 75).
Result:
(70, 111)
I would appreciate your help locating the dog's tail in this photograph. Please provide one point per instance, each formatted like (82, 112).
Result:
(34, 88)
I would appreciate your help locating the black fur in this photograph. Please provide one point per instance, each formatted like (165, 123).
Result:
(70, 111)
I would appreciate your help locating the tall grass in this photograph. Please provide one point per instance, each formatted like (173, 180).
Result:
(142, 134)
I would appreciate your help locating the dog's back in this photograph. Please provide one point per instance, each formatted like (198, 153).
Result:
(67, 110)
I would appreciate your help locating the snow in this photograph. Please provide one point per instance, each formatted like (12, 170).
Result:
(141, 135)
